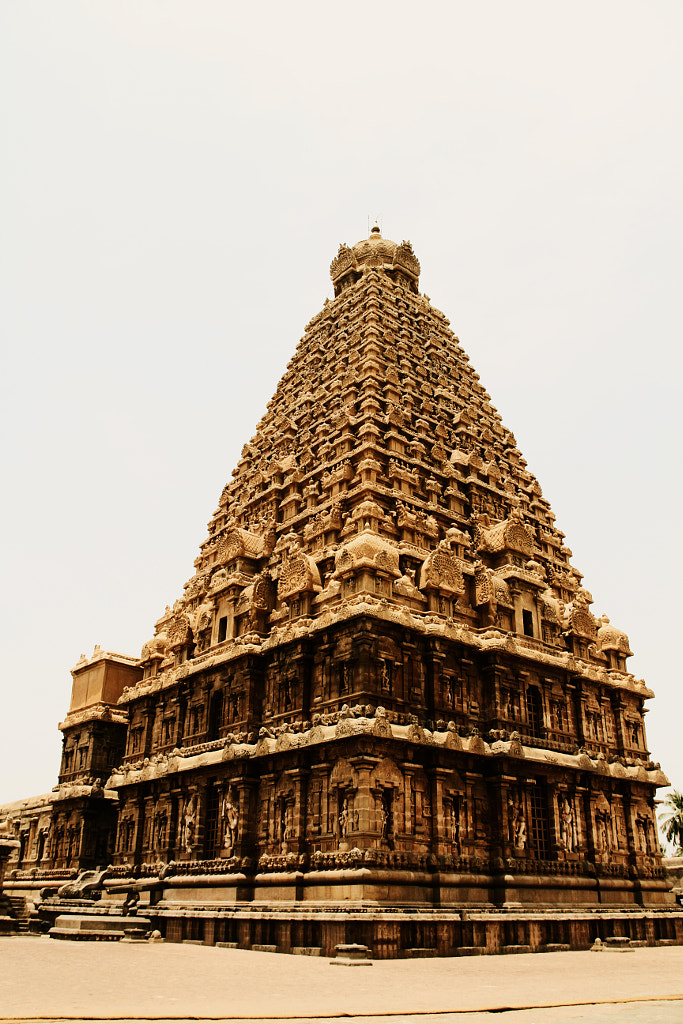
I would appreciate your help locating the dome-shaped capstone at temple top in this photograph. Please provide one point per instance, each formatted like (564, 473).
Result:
(398, 262)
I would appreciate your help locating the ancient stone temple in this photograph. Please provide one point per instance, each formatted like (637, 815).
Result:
(382, 697)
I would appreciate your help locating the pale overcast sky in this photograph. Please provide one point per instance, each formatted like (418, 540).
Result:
(174, 181)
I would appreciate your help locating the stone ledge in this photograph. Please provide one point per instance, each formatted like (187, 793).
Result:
(93, 936)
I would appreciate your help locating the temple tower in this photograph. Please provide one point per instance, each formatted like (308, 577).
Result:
(384, 683)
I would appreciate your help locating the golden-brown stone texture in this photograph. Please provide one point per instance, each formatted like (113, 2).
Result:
(384, 681)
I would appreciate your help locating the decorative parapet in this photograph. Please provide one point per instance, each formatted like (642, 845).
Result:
(367, 720)
(99, 712)
(77, 790)
(99, 654)
(489, 638)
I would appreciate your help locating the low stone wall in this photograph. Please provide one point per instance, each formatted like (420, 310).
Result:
(391, 935)
(386, 888)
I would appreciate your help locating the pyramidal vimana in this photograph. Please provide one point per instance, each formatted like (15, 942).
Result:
(381, 710)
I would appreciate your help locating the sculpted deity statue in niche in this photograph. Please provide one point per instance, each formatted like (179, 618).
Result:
(520, 832)
(454, 822)
(517, 824)
(344, 819)
(567, 826)
(230, 819)
(285, 822)
(385, 814)
(644, 834)
(604, 837)
(189, 823)
(161, 824)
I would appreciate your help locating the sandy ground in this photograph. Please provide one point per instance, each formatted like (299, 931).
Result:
(45, 979)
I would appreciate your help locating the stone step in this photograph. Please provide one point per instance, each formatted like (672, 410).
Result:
(19, 912)
(96, 927)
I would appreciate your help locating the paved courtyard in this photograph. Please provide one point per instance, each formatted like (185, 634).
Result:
(44, 979)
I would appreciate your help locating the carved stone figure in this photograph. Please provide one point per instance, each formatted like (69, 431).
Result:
(344, 821)
(86, 886)
(517, 823)
(230, 818)
(454, 823)
(520, 832)
(567, 826)
(190, 822)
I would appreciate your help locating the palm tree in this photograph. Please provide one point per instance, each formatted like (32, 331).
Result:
(672, 824)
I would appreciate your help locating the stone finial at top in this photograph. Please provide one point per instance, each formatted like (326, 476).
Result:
(397, 261)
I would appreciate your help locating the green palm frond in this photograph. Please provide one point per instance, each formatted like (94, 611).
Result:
(671, 821)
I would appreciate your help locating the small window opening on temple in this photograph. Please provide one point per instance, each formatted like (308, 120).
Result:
(222, 629)
(528, 622)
